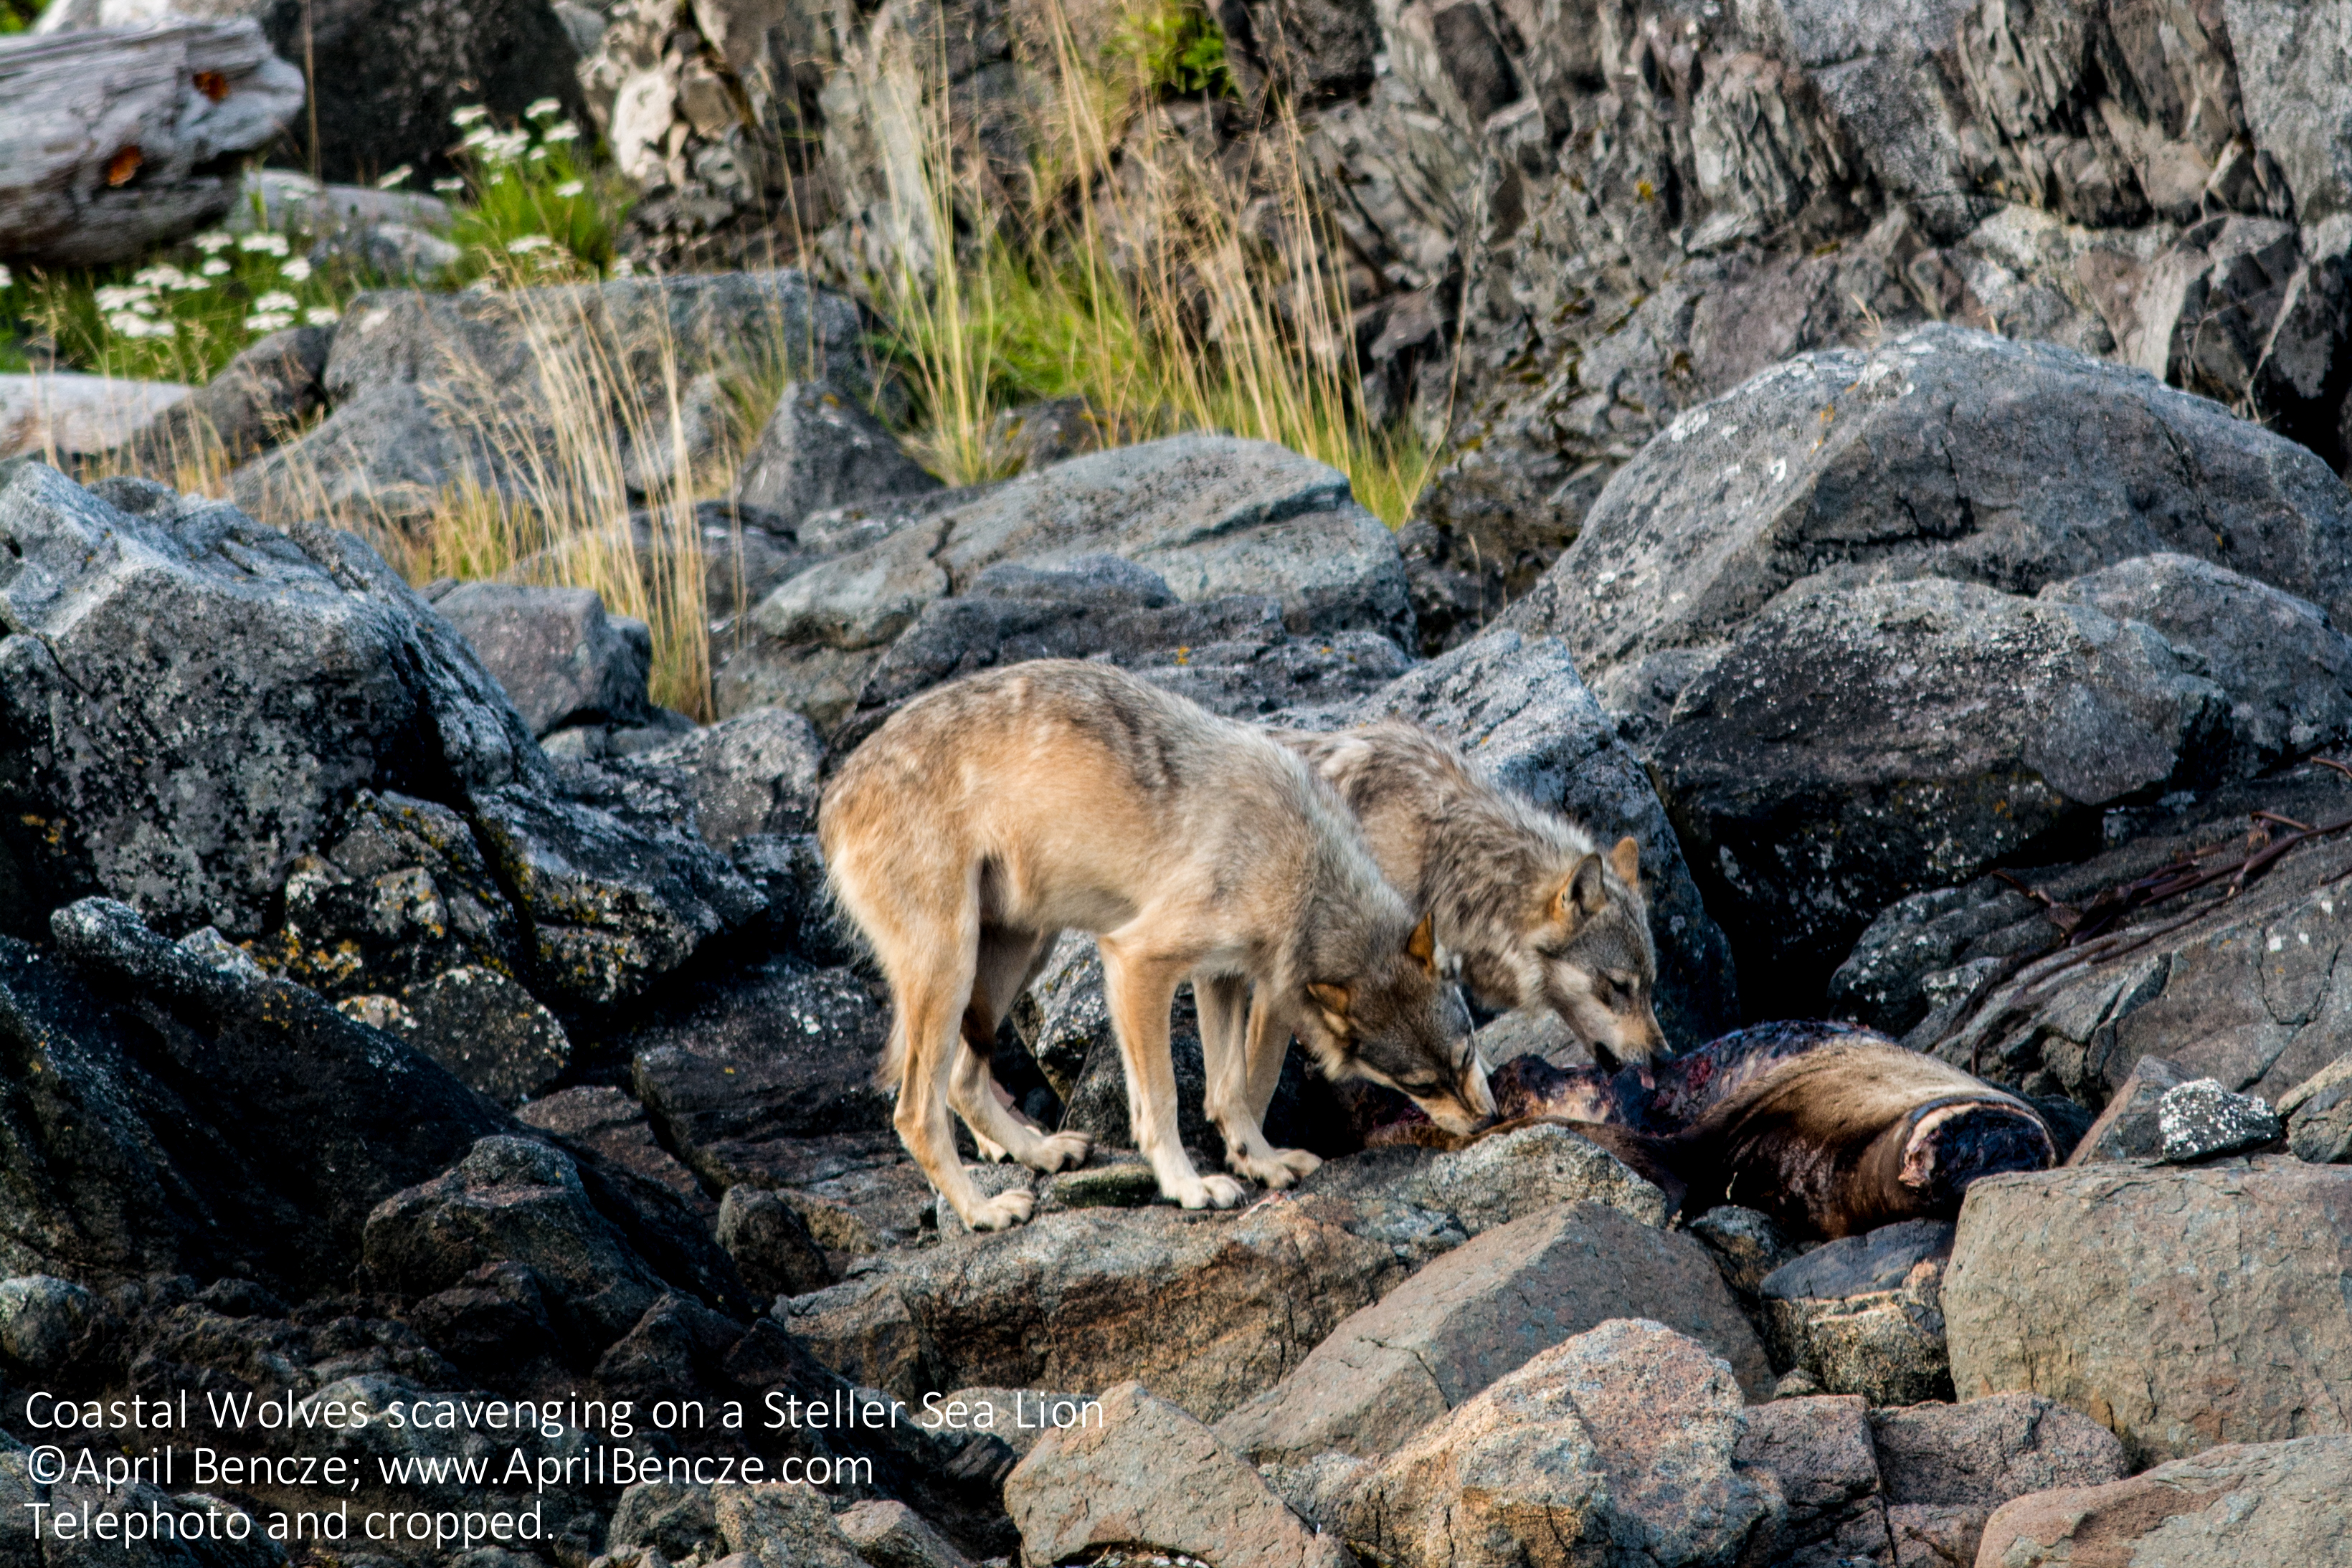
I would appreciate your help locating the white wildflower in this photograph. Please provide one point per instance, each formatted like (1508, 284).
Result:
(509, 146)
(480, 136)
(468, 115)
(276, 301)
(161, 276)
(267, 321)
(539, 154)
(296, 271)
(567, 131)
(542, 109)
(394, 179)
(448, 187)
(322, 316)
(213, 241)
(117, 296)
(571, 188)
(7, 278)
(527, 244)
(263, 244)
(217, 268)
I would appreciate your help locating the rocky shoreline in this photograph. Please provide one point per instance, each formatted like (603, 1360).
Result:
(402, 1010)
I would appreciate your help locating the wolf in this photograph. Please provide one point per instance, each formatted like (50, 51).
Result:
(1531, 910)
(988, 815)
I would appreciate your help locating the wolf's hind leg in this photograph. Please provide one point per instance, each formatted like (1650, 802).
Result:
(1007, 959)
(1237, 1099)
(1138, 992)
(929, 1003)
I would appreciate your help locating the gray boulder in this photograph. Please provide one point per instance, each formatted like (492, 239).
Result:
(1517, 704)
(2201, 1120)
(606, 1122)
(429, 390)
(610, 905)
(772, 1246)
(1141, 1472)
(511, 1198)
(2127, 1129)
(1230, 654)
(1618, 1445)
(271, 387)
(732, 1063)
(1864, 1314)
(1819, 1450)
(1213, 517)
(1930, 780)
(780, 1524)
(676, 1517)
(41, 1318)
(755, 773)
(272, 675)
(1946, 1467)
(821, 449)
(1479, 1312)
(1209, 1311)
(1498, 1180)
(889, 1534)
(2319, 1114)
(491, 1033)
(2229, 1507)
(2181, 1306)
(2231, 987)
(2287, 671)
(560, 659)
(1944, 452)
(258, 1151)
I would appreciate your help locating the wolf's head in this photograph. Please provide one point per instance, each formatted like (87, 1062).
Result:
(1594, 961)
(1400, 1022)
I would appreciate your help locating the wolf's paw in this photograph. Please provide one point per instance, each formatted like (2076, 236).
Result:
(991, 1152)
(1213, 1192)
(1004, 1210)
(1057, 1151)
(1276, 1168)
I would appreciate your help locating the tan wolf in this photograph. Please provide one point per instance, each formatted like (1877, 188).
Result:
(988, 815)
(1522, 898)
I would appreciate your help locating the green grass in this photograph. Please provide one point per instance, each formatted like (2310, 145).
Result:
(186, 311)
(17, 15)
(532, 203)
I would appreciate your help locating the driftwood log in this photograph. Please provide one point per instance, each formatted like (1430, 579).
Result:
(114, 142)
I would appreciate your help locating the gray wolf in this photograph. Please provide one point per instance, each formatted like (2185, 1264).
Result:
(1522, 898)
(991, 814)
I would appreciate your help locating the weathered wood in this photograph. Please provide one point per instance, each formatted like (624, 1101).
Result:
(113, 141)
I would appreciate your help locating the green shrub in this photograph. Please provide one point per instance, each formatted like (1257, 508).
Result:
(1175, 45)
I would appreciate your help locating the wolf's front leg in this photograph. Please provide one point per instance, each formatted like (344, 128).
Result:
(1235, 1100)
(1140, 992)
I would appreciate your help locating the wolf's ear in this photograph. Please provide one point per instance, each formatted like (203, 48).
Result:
(1332, 1001)
(1581, 893)
(1625, 860)
(1422, 944)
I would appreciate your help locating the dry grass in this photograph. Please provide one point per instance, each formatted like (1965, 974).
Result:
(598, 477)
(1169, 292)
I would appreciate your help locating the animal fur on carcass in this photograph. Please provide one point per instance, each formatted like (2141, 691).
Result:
(1829, 1128)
